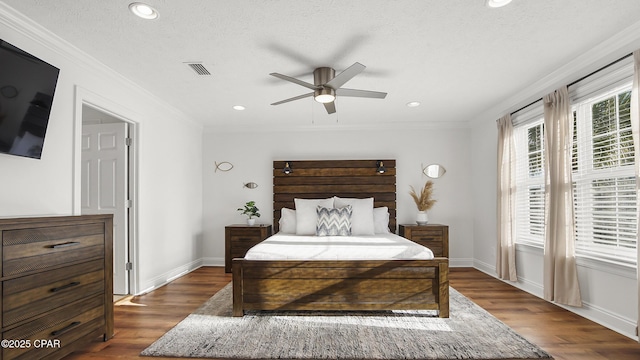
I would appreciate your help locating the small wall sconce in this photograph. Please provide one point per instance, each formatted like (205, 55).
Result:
(287, 168)
(380, 169)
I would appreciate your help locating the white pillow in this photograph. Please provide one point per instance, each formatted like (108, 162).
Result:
(362, 215)
(287, 221)
(306, 215)
(381, 220)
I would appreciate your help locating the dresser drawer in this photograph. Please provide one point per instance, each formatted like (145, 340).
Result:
(244, 232)
(246, 240)
(242, 244)
(426, 234)
(32, 295)
(36, 249)
(64, 325)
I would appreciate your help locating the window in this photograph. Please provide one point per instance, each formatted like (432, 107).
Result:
(604, 177)
(603, 172)
(529, 142)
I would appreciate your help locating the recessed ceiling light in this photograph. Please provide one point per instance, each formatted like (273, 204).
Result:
(238, 107)
(496, 3)
(413, 104)
(143, 10)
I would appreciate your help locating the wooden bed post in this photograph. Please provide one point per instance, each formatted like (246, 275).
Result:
(443, 301)
(238, 300)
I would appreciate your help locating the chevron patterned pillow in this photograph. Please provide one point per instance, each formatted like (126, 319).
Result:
(333, 221)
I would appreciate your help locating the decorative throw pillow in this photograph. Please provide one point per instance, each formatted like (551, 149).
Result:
(333, 222)
(306, 216)
(381, 220)
(362, 218)
(287, 221)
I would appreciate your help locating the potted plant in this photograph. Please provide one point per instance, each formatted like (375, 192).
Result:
(251, 211)
(424, 202)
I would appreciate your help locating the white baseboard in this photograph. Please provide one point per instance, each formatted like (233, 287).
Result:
(169, 276)
(484, 267)
(460, 262)
(606, 318)
(212, 261)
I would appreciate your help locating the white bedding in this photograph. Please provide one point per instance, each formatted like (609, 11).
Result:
(370, 247)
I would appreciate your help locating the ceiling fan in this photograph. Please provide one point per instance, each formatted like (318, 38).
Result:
(327, 86)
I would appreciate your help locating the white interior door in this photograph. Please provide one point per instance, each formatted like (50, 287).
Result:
(105, 188)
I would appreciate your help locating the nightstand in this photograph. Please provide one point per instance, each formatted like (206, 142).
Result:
(239, 238)
(433, 236)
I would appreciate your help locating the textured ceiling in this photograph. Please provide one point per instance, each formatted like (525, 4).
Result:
(457, 57)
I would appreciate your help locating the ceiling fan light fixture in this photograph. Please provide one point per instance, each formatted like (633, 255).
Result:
(496, 3)
(324, 95)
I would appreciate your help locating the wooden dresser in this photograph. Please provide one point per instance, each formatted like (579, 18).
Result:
(240, 238)
(433, 236)
(57, 284)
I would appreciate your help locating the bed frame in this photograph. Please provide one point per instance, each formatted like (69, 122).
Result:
(339, 285)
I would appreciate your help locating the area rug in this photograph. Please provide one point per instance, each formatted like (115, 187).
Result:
(469, 333)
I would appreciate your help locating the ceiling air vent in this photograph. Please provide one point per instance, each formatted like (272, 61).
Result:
(199, 68)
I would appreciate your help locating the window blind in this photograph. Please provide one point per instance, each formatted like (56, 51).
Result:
(529, 142)
(604, 177)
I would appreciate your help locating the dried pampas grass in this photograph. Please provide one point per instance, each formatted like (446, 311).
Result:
(424, 200)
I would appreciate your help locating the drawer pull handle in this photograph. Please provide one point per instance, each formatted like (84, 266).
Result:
(58, 246)
(69, 285)
(66, 328)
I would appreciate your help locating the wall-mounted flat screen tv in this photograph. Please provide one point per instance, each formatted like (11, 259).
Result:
(27, 85)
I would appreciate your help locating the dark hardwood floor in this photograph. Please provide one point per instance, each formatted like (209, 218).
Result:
(564, 335)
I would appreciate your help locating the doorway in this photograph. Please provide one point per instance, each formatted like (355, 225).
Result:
(106, 168)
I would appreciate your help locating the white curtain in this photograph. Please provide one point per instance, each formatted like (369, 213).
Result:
(635, 126)
(506, 251)
(560, 272)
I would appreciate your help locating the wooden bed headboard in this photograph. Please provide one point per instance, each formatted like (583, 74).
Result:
(320, 179)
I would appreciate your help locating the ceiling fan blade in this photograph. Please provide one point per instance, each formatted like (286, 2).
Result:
(331, 107)
(295, 81)
(345, 76)
(361, 93)
(293, 98)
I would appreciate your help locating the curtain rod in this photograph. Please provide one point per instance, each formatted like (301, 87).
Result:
(577, 81)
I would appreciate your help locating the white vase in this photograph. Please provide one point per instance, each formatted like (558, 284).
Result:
(422, 218)
(251, 222)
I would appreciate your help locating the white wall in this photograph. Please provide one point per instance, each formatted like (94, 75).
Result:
(169, 202)
(252, 153)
